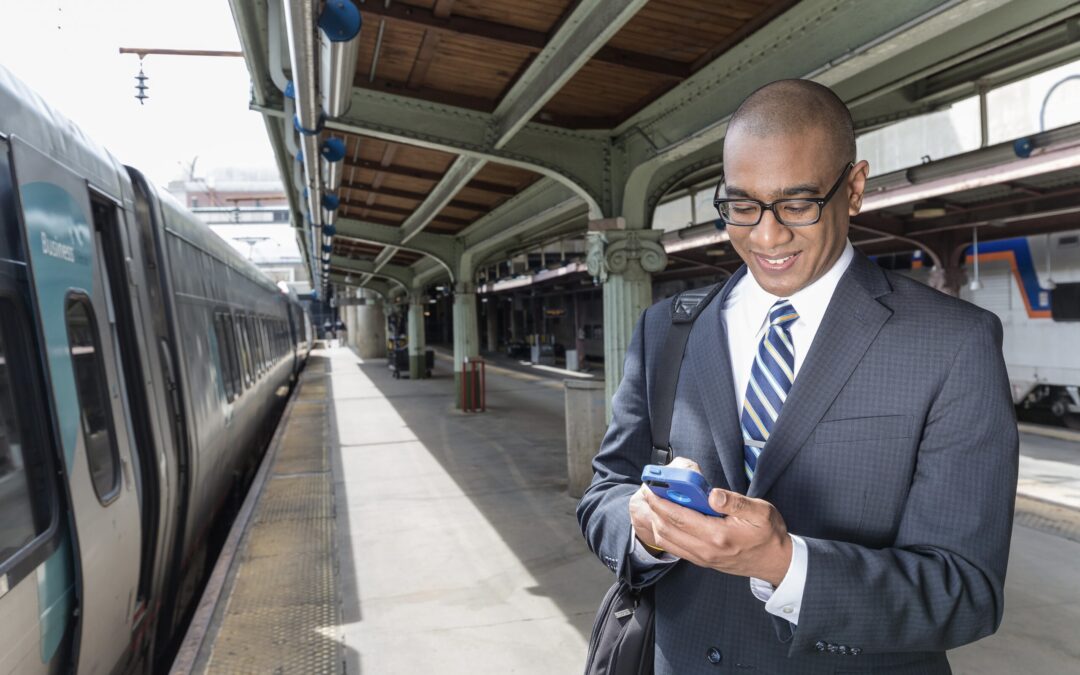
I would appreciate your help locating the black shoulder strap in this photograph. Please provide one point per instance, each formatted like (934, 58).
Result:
(685, 308)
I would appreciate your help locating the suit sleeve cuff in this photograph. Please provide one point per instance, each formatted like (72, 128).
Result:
(785, 600)
(641, 559)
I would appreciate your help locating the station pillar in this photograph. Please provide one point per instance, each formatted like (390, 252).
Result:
(417, 341)
(466, 335)
(624, 261)
(368, 331)
(492, 307)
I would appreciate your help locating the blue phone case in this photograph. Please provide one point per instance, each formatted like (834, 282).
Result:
(682, 486)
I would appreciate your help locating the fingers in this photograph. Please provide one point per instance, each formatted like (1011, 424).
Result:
(642, 517)
(675, 516)
(684, 463)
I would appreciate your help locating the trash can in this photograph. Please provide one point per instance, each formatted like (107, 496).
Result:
(585, 429)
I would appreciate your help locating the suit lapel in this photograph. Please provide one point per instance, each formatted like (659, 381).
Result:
(716, 387)
(850, 324)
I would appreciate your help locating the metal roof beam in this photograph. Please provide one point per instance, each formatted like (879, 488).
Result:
(460, 173)
(578, 159)
(415, 196)
(530, 206)
(422, 174)
(398, 273)
(378, 285)
(456, 177)
(441, 247)
(590, 25)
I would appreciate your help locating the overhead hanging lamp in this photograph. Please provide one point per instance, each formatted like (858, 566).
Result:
(976, 283)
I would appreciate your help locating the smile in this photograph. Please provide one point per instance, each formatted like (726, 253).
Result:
(778, 264)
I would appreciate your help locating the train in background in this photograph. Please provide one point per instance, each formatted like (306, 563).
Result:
(144, 364)
(1033, 285)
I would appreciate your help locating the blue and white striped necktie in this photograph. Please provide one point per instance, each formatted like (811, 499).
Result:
(771, 377)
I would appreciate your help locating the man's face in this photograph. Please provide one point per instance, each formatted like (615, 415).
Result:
(785, 259)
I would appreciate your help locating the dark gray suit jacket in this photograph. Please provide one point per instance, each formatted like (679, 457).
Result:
(894, 457)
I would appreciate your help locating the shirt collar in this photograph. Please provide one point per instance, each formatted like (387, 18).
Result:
(809, 302)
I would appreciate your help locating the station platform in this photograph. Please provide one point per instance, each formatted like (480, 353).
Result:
(389, 533)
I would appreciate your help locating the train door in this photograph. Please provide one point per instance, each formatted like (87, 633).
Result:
(76, 317)
(36, 576)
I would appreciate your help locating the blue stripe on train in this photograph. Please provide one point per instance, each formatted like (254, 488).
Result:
(1020, 249)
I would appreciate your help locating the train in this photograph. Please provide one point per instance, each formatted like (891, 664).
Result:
(1033, 285)
(144, 364)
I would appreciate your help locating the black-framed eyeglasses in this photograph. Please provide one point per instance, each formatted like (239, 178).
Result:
(796, 212)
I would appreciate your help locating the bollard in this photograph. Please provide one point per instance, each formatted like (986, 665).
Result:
(473, 393)
(585, 429)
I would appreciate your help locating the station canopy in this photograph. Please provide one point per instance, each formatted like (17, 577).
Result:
(477, 128)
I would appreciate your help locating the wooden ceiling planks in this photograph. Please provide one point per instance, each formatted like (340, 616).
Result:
(471, 51)
(357, 250)
(687, 32)
(396, 55)
(602, 92)
(468, 53)
(475, 68)
(405, 258)
(534, 15)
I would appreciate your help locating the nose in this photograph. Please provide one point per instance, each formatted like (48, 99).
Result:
(770, 234)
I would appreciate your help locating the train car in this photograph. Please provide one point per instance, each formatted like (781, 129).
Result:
(143, 365)
(303, 331)
(1033, 285)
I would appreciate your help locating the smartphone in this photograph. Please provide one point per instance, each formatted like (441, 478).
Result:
(682, 486)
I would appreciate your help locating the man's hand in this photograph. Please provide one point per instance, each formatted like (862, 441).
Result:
(751, 542)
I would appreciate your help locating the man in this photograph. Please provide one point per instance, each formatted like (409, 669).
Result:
(857, 425)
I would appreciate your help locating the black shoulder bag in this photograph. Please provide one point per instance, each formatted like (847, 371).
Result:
(622, 635)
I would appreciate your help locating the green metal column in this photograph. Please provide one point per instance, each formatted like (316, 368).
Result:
(624, 261)
(417, 341)
(466, 335)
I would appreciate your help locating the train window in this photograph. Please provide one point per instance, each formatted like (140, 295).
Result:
(245, 351)
(93, 395)
(227, 355)
(234, 355)
(1065, 302)
(23, 505)
(260, 337)
(253, 353)
(266, 343)
(256, 344)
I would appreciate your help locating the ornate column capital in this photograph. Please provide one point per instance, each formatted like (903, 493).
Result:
(624, 252)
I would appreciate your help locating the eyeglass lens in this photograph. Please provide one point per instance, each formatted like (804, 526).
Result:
(794, 212)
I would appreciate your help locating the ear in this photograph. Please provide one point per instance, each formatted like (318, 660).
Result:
(856, 186)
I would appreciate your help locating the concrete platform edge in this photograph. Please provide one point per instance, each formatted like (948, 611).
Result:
(1050, 432)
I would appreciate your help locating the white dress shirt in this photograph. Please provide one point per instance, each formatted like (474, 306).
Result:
(745, 316)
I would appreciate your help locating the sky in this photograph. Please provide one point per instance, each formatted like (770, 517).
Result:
(198, 106)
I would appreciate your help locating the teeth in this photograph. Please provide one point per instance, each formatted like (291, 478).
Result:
(778, 261)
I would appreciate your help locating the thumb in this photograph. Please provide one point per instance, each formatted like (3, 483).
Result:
(728, 502)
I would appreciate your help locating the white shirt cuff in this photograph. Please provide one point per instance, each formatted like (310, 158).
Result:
(639, 555)
(785, 600)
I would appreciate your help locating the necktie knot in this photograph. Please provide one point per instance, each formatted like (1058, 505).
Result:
(782, 313)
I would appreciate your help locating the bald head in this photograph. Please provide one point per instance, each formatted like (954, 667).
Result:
(797, 108)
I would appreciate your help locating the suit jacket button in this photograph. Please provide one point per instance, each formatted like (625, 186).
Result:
(714, 655)
(833, 649)
(820, 646)
(854, 651)
(842, 649)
